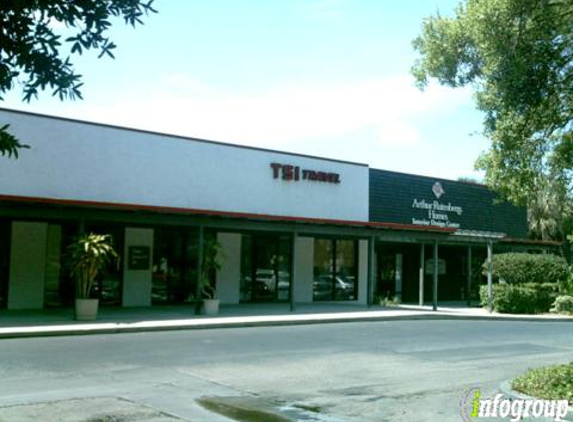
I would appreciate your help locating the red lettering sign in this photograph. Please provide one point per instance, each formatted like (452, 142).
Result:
(289, 172)
(276, 169)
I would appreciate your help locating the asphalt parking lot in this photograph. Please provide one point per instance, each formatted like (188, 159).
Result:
(359, 371)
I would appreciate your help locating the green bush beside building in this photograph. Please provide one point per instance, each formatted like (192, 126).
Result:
(530, 284)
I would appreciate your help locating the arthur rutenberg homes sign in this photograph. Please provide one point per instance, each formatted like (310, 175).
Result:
(436, 213)
(425, 201)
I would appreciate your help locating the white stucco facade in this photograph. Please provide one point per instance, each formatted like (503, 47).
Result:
(154, 192)
(78, 161)
(229, 276)
(137, 282)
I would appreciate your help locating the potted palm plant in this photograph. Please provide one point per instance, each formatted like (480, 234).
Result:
(212, 262)
(88, 257)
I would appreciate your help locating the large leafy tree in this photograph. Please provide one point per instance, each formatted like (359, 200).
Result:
(518, 57)
(38, 38)
(548, 211)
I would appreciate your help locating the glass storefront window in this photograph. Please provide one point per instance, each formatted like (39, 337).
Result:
(53, 295)
(346, 270)
(174, 266)
(265, 268)
(246, 291)
(335, 270)
(59, 287)
(323, 269)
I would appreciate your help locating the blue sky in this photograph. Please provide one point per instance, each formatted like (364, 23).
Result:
(320, 77)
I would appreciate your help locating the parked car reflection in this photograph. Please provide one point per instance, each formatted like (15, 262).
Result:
(267, 284)
(256, 290)
(325, 287)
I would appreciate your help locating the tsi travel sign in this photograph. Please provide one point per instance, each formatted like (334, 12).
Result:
(438, 212)
(296, 173)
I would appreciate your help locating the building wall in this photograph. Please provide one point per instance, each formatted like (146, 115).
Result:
(115, 165)
(362, 271)
(229, 276)
(137, 282)
(27, 265)
(304, 271)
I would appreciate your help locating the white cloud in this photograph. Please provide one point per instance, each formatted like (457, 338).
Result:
(386, 107)
(282, 115)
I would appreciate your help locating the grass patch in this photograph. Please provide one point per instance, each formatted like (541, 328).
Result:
(550, 383)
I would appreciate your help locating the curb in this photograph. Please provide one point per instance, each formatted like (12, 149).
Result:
(506, 390)
(178, 325)
(244, 322)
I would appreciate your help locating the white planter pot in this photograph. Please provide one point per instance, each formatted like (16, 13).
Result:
(86, 309)
(210, 307)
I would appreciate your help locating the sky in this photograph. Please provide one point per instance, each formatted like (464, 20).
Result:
(329, 78)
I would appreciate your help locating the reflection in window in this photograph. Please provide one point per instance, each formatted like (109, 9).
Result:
(265, 268)
(174, 266)
(335, 270)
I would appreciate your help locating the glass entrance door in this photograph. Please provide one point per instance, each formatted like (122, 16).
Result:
(265, 268)
(174, 266)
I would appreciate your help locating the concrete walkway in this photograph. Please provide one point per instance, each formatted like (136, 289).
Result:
(58, 322)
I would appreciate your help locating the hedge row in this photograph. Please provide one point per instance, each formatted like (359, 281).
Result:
(566, 286)
(528, 298)
(520, 268)
(563, 305)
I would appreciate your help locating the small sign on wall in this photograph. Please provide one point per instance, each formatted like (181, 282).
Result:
(430, 266)
(139, 258)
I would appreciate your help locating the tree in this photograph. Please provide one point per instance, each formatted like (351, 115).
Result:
(31, 44)
(518, 57)
(548, 211)
(471, 180)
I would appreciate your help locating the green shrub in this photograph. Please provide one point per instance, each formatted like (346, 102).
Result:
(566, 285)
(563, 305)
(520, 268)
(550, 383)
(528, 298)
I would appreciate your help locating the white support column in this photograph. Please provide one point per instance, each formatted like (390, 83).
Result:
(398, 276)
(489, 277)
(371, 272)
(363, 266)
(421, 275)
(435, 279)
(293, 265)
(469, 280)
(229, 275)
(137, 275)
(304, 270)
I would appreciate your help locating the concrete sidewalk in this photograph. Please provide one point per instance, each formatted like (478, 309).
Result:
(60, 322)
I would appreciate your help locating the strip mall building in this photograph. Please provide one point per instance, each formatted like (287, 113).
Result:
(293, 228)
